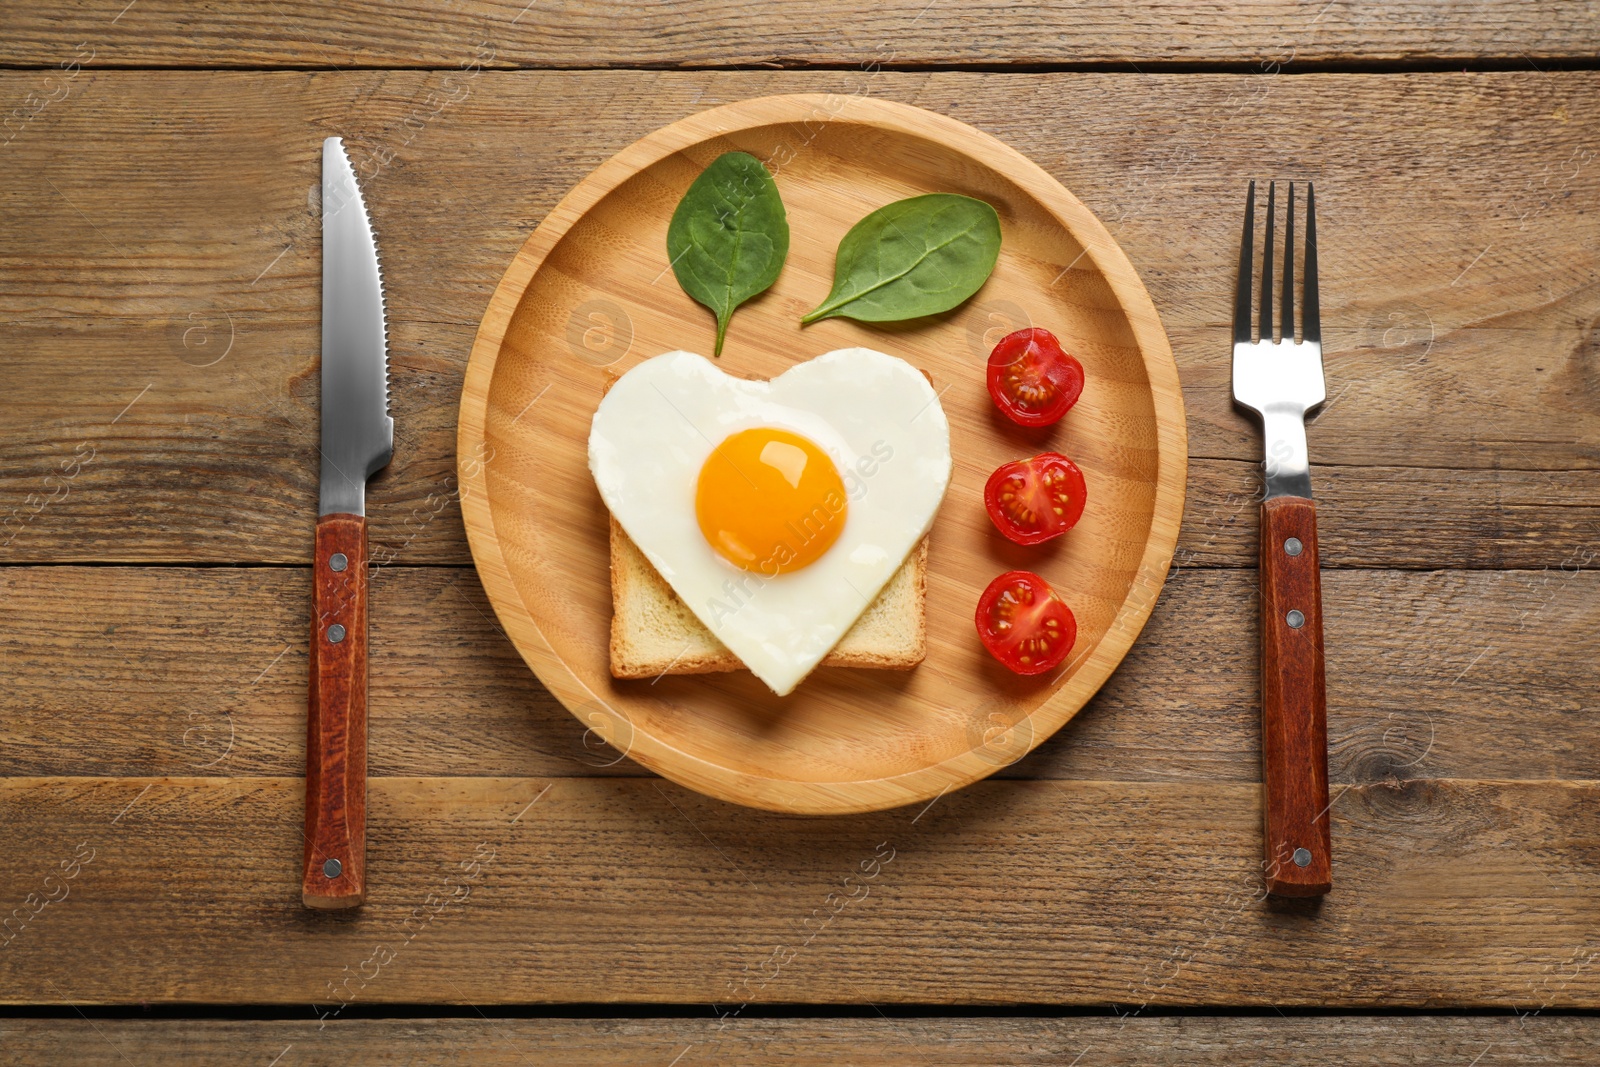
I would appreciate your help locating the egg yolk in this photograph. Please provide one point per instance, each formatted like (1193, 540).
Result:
(770, 501)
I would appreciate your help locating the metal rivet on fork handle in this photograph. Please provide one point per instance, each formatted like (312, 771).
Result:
(335, 633)
(1302, 857)
(332, 868)
(1291, 547)
(338, 562)
(1295, 619)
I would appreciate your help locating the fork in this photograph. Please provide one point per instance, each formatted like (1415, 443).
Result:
(1280, 380)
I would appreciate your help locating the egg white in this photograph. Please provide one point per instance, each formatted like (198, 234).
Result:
(875, 415)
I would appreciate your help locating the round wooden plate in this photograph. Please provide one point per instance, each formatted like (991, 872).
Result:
(591, 294)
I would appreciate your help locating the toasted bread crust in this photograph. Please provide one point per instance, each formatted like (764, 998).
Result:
(637, 591)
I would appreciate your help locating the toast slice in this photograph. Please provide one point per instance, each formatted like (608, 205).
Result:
(653, 632)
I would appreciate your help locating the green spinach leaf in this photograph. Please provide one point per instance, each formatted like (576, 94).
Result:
(914, 257)
(729, 236)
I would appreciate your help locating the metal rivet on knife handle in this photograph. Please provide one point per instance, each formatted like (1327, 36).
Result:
(1291, 547)
(333, 868)
(336, 633)
(1302, 857)
(1295, 619)
(338, 562)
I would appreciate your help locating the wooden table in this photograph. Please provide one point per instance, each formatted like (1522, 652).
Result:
(537, 899)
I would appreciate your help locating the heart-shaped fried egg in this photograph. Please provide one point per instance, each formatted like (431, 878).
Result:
(776, 510)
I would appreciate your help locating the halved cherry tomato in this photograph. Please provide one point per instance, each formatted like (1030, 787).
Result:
(1031, 379)
(1033, 500)
(1024, 624)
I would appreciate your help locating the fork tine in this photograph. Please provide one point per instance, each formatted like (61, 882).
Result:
(1241, 299)
(1310, 309)
(1266, 266)
(1288, 267)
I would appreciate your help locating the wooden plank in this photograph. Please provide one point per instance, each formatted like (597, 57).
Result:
(1450, 894)
(1296, 1041)
(156, 671)
(164, 217)
(1409, 517)
(300, 33)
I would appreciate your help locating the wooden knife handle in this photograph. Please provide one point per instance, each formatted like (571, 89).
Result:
(1294, 706)
(336, 726)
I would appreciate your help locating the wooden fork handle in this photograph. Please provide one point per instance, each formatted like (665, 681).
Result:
(334, 874)
(1294, 708)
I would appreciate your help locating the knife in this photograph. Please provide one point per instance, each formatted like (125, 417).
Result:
(357, 440)
(1280, 381)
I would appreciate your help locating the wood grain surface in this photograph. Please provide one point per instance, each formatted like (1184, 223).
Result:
(1294, 702)
(488, 890)
(115, 288)
(1119, 1039)
(175, 671)
(334, 866)
(716, 33)
(158, 324)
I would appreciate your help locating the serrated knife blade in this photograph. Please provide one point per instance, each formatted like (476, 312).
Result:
(357, 440)
(357, 432)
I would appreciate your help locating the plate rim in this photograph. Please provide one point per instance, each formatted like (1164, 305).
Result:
(732, 784)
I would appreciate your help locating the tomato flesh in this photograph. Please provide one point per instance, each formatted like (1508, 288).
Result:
(1024, 624)
(1033, 500)
(1032, 379)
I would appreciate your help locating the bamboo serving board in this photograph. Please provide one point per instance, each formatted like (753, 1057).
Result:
(591, 294)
